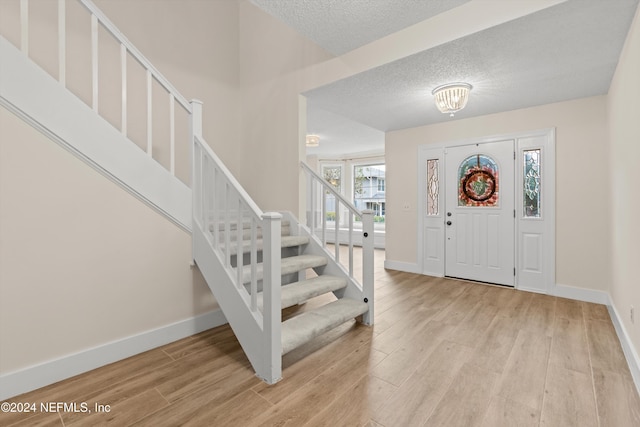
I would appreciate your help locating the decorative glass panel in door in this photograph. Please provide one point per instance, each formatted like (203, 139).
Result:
(478, 184)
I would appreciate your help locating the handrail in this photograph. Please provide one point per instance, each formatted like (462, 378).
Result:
(330, 188)
(226, 227)
(220, 205)
(99, 19)
(365, 282)
(234, 182)
(340, 200)
(108, 25)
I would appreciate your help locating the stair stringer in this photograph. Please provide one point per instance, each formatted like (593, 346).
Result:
(354, 289)
(233, 305)
(37, 98)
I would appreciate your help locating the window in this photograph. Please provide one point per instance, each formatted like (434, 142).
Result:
(378, 209)
(333, 175)
(433, 187)
(531, 185)
(369, 185)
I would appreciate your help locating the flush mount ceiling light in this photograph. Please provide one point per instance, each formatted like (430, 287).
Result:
(451, 97)
(313, 140)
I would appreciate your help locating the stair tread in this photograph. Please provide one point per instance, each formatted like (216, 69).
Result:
(285, 242)
(246, 224)
(308, 325)
(288, 265)
(298, 292)
(291, 241)
(297, 263)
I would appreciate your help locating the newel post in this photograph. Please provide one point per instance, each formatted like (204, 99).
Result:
(196, 118)
(272, 304)
(195, 128)
(367, 264)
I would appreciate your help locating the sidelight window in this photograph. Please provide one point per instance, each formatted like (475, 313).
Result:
(531, 185)
(433, 187)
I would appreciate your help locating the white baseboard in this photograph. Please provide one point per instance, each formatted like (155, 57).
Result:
(627, 347)
(34, 377)
(402, 266)
(581, 294)
(601, 297)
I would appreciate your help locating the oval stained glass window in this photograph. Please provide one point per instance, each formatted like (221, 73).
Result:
(478, 184)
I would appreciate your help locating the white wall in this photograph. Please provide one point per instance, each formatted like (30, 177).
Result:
(84, 263)
(583, 257)
(624, 133)
(272, 59)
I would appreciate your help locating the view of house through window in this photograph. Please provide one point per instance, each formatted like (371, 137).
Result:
(333, 175)
(369, 189)
(367, 186)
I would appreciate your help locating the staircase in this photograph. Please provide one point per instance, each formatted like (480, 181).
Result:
(255, 263)
(296, 263)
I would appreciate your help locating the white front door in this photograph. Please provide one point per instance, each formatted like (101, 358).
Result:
(480, 219)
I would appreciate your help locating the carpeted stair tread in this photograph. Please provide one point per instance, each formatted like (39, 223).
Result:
(302, 262)
(288, 265)
(285, 242)
(308, 325)
(285, 230)
(233, 225)
(299, 292)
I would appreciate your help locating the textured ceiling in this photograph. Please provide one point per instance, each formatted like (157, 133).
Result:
(340, 26)
(564, 52)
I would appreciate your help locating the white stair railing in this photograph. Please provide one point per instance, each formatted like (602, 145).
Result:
(127, 49)
(326, 229)
(222, 213)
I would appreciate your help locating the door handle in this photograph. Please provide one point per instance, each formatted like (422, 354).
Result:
(448, 222)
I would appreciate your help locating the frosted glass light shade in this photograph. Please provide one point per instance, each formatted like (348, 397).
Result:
(451, 97)
(313, 140)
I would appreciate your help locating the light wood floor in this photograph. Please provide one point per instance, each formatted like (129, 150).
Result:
(442, 353)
